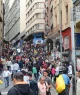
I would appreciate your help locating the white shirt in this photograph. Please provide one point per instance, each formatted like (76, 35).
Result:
(12, 67)
(26, 79)
(9, 63)
(70, 70)
(16, 66)
(6, 73)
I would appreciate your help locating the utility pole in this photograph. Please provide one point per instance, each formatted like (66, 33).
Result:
(73, 54)
(60, 24)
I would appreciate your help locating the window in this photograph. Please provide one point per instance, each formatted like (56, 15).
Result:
(37, 5)
(67, 13)
(37, 26)
(38, 15)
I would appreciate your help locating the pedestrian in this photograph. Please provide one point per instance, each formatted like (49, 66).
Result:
(12, 70)
(48, 80)
(33, 84)
(1, 67)
(6, 75)
(20, 64)
(67, 83)
(78, 84)
(9, 63)
(16, 67)
(42, 86)
(26, 77)
(34, 70)
(70, 71)
(53, 71)
(20, 87)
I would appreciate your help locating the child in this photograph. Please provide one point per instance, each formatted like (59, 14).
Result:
(6, 75)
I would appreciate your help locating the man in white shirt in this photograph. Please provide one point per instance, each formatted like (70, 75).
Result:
(16, 67)
(6, 75)
(9, 63)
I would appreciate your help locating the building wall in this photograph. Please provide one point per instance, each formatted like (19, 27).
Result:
(34, 16)
(12, 19)
(1, 25)
(22, 15)
(65, 7)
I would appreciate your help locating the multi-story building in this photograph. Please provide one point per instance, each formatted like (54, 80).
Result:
(48, 11)
(1, 25)
(34, 21)
(76, 19)
(12, 19)
(60, 8)
(24, 17)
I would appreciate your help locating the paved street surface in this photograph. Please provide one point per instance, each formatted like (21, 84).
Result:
(5, 90)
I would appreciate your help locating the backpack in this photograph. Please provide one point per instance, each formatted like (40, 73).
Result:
(30, 93)
(60, 84)
(34, 86)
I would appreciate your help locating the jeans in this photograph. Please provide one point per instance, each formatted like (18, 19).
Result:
(6, 81)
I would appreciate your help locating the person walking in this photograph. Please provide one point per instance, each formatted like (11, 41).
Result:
(42, 86)
(78, 84)
(26, 77)
(33, 84)
(67, 83)
(70, 71)
(34, 70)
(16, 67)
(48, 80)
(6, 75)
(9, 63)
(20, 64)
(20, 87)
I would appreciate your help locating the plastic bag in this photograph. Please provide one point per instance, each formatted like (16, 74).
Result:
(60, 84)
(1, 82)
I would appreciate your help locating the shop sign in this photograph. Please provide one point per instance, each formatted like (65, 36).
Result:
(66, 43)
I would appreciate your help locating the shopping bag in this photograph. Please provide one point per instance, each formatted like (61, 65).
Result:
(60, 84)
(1, 82)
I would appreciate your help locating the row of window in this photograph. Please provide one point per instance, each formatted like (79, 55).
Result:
(35, 6)
(36, 16)
(36, 27)
(66, 12)
(29, 3)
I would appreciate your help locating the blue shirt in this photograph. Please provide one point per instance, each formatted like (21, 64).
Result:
(66, 79)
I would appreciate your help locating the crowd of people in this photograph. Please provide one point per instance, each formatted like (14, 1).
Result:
(33, 73)
(36, 75)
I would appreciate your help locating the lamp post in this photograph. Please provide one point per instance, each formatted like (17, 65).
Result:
(60, 24)
(73, 54)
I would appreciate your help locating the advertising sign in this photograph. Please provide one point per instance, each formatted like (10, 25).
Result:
(66, 43)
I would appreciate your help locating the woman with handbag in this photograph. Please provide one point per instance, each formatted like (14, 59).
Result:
(42, 86)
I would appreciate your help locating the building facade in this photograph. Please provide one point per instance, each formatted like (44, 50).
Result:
(56, 9)
(34, 21)
(1, 25)
(76, 4)
(12, 19)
